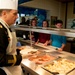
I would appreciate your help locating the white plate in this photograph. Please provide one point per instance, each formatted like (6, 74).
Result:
(27, 49)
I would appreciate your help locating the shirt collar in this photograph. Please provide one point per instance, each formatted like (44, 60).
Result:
(4, 22)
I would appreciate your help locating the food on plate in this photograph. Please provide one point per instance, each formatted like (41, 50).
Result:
(34, 52)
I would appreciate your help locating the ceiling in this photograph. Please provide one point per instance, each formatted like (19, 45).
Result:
(65, 0)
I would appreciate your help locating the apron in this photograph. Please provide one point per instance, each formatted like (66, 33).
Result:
(11, 50)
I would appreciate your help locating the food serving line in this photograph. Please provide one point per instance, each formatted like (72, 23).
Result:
(34, 69)
(31, 68)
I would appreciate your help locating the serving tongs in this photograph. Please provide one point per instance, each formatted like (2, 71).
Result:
(70, 71)
(57, 73)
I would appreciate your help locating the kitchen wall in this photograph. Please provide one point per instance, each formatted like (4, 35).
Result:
(70, 15)
(53, 7)
(70, 10)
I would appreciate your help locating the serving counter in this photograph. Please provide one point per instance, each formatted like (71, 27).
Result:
(30, 68)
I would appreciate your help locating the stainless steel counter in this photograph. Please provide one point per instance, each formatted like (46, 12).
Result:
(34, 69)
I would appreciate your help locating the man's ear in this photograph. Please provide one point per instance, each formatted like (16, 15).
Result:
(3, 12)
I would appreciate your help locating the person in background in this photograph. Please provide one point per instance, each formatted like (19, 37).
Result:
(58, 41)
(43, 37)
(73, 23)
(23, 21)
(9, 59)
(16, 22)
(28, 22)
(35, 18)
(20, 33)
(34, 35)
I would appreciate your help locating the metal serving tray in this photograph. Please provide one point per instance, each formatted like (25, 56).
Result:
(59, 66)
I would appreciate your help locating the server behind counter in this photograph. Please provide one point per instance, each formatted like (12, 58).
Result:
(20, 33)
